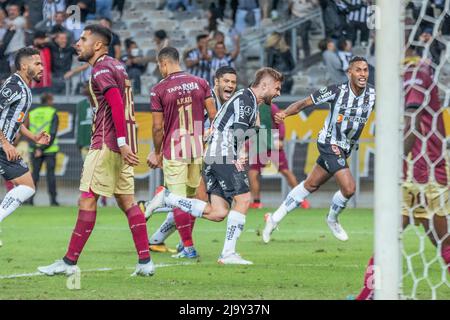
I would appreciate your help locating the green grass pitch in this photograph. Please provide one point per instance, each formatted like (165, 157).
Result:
(304, 261)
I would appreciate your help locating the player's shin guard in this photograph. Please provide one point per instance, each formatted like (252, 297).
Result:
(235, 225)
(445, 253)
(183, 222)
(296, 196)
(367, 292)
(138, 227)
(13, 199)
(80, 235)
(193, 206)
(164, 231)
(339, 204)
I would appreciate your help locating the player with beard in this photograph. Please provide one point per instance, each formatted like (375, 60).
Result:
(225, 82)
(178, 103)
(108, 167)
(15, 102)
(351, 104)
(225, 168)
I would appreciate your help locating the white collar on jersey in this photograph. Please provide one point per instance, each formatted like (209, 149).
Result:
(24, 82)
(351, 91)
(254, 97)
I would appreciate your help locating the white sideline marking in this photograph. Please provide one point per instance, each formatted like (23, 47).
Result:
(37, 274)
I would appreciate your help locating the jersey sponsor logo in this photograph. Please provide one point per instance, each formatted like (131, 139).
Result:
(100, 72)
(190, 86)
(120, 67)
(340, 117)
(355, 119)
(7, 92)
(21, 117)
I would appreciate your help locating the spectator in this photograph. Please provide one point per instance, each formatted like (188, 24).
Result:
(222, 59)
(40, 42)
(3, 25)
(134, 63)
(280, 58)
(161, 40)
(333, 19)
(335, 74)
(62, 57)
(49, 10)
(8, 34)
(212, 15)
(18, 22)
(180, 5)
(345, 52)
(233, 6)
(114, 47)
(357, 21)
(119, 4)
(198, 60)
(86, 7)
(248, 15)
(435, 49)
(297, 8)
(45, 118)
(60, 25)
(35, 9)
(103, 9)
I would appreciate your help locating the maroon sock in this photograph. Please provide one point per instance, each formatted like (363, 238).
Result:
(183, 223)
(367, 291)
(138, 227)
(192, 224)
(445, 253)
(80, 235)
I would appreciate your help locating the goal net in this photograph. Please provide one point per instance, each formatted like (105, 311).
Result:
(425, 186)
(423, 124)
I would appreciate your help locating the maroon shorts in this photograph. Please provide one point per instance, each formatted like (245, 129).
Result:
(277, 157)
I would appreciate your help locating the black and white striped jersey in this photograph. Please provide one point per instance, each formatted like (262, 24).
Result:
(348, 114)
(242, 110)
(15, 101)
(361, 13)
(217, 104)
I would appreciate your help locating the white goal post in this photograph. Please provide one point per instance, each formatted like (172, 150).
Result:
(388, 146)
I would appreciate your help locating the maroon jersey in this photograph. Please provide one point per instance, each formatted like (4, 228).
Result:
(181, 97)
(109, 73)
(422, 92)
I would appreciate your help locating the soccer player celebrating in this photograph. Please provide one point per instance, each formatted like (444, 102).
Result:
(425, 190)
(108, 167)
(225, 170)
(224, 87)
(15, 101)
(178, 103)
(351, 104)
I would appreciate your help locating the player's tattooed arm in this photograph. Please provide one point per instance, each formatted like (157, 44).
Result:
(210, 107)
(8, 148)
(412, 125)
(293, 108)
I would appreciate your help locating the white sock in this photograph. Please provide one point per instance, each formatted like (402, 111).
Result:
(293, 199)
(162, 210)
(193, 206)
(164, 231)
(235, 225)
(339, 203)
(14, 199)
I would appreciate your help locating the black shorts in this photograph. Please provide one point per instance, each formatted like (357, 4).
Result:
(332, 158)
(225, 181)
(11, 169)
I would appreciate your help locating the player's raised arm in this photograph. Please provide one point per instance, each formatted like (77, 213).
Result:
(293, 108)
